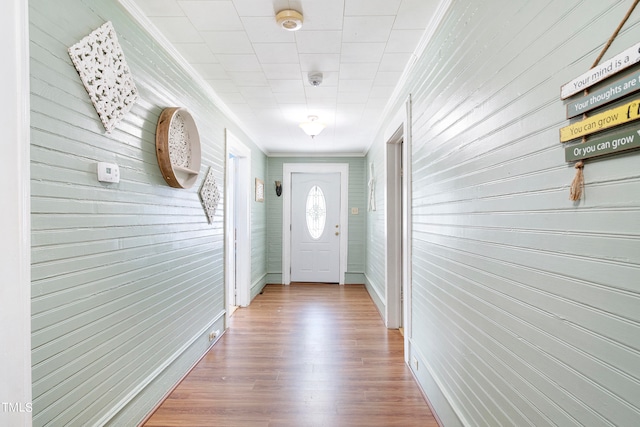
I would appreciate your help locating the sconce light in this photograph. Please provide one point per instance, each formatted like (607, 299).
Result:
(313, 127)
(278, 188)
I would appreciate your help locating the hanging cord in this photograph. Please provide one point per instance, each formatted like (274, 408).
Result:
(577, 186)
(615, 33)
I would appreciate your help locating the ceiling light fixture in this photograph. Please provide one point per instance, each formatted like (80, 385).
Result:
(312, 127)
(289, 20)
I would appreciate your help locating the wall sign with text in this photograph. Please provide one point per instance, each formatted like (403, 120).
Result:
(597, 74)
(613, 141)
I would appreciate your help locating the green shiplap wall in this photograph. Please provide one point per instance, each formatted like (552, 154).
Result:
(258, 226)
(375, 279)
(357, 223)
(526, 306)
(127, 279)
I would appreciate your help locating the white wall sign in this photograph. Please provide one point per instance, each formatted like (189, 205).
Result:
(606, 69)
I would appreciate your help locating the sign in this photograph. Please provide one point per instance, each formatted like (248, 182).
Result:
(621, 141)
(608, 119)
(606, 69)
(616, 90)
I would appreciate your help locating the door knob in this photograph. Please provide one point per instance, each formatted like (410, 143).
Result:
(337, 233)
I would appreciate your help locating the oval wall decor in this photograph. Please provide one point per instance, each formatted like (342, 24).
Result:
(178, 147)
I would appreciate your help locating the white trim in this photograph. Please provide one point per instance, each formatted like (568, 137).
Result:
(448, 412)
(287, 170)
(401, 122)
(398, 120)
(369, 285)
(393, 219)
(153, 375)
(243, 192)
(442, 8)
(15, 220)
(407, 228)
(256, 282)
(138, 15)
(229, 226)
(315, 154)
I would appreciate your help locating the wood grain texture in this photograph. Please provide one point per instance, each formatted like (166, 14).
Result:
(301, 355)
(185, 178)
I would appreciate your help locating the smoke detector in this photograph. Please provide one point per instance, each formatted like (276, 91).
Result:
(315, 79)
(289, 20)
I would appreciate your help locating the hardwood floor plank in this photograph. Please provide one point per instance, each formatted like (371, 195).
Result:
(312, 355)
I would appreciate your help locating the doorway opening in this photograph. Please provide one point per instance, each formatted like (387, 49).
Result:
(398, 224)
(237, 224)
(231, 264)
(394, 222)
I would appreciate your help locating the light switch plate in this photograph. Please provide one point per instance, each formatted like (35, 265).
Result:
(108, 172)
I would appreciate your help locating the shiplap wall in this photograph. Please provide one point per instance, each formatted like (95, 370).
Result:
(526, 306)
(127, 279)
(357, 199)
(258, 227)
(376, 229)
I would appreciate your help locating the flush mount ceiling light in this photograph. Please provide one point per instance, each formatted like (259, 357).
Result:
(289, 20)
(312, 127)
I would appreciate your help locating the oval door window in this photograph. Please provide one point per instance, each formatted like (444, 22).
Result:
(316, 212)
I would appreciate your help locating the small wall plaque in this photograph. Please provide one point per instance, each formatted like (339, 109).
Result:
(259, 190)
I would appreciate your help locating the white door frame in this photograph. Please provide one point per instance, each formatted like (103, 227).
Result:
(15, 216)
(230, 239)
(242, 192)
(401, 119)
(394, 221)
(287, 170)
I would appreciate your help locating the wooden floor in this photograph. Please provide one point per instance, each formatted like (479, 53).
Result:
(301, 355)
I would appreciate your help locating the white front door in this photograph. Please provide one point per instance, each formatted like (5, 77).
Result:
(315, 227)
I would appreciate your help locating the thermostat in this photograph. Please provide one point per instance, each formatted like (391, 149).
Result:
(108, 172)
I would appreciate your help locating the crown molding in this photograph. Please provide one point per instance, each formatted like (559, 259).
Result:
(442, 8)
(315, 155)
(138, 15)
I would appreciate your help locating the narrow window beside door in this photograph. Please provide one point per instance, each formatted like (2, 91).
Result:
(316, 212)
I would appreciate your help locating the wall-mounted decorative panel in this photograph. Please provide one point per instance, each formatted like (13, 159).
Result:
(210, 195)
(100, 62)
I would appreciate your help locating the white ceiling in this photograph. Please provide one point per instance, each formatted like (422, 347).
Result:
(260, 71)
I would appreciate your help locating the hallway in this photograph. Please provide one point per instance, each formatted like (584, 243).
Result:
(301, 355)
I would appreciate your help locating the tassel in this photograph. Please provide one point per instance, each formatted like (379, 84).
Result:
(578, 183)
